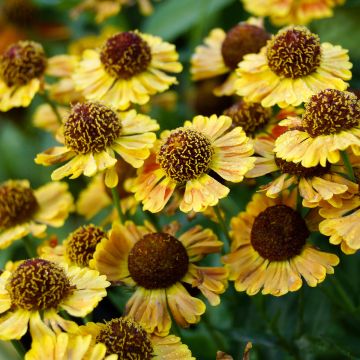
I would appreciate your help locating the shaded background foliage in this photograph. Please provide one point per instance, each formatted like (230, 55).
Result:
(319, 323)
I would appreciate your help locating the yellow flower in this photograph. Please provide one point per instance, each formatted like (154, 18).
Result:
(25, 211)
(45, 118)
(223, 51)
(316, 184)
(330, 124)
(92, 134)
(269, 249)
(47, 345)
(156, 264)
(300, 12)
(128, 68)
(128, 339)
(38, 286)
(292, 67)
(184, 159)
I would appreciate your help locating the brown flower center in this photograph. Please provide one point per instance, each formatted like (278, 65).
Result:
(127, 339)
(17, 204)
(22, 62)
(185, 155)
(242, 39)
(38, 284)
(81, 244)
(158, 261)
(331, 111)
(250, 116)
(19, 12)
(279, 233)
(91, 127)
(125, 55)
(289, 167)
(294, 52)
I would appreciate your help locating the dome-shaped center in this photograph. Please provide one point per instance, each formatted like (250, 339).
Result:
(240, 40)
(38, 284)
(22, 62)
(91, 127)
(294, 52)
(17, 204)
(81, 244)
(158, 261)
(331, 111)
(185, 155)
(127, 339)
(289, 167)
(125, 55)
(279, 233)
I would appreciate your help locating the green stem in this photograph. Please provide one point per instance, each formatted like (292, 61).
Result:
(19, 347)
(116, 200)
(214, 334)
(348, 304)
(222, 223)
(347, 163)
(29, 247)
(53, 107)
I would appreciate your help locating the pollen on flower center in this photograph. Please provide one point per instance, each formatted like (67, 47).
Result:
(91, 127)
(158, 261)
(289, 167)
(294, 52)
(22, 62)
(242, 39)
(81, 244)
(279, 233)
(331, 111)
(17, 204)
(125, 54)
(127, 339)
(38, 284)
(185, 155)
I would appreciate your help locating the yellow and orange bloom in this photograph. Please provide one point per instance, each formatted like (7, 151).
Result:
(157, 264)
(128, 68)
(293, 66)
(25, 211)
(223, 51)
(184, 158)
(269, 249)
(285, 12)
(92, 134)
(38, 286)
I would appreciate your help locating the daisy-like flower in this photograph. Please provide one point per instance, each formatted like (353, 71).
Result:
(330, 124)
(284, 12)
(128, 68)
(129, 340)
(293, 66)
(92, 134)
(223, 51)
(47, 345)
(184, 158)
(26, 211)
(269, 249)
(38, 286)
(157, 264)
(316, 184)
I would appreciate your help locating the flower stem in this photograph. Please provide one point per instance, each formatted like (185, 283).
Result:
(116, 200)
(29, 247)
(347, 163)
(19, 347)
(214, 334)
(348, 304)
(53, 107)
(222, 222)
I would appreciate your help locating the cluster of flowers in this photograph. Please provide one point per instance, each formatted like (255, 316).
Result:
(309, 158)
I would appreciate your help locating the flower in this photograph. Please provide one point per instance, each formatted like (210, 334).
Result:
(38, 286)
(45, 118)
(47, 345)
(157, 264)
(185, 157)
(129, 340)
(92, 134)
(316, 184)
(330, 123)
(292, 67)
(283, 12)
(269, 249)
(26, 211)
(223, 51)
(128, 68)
